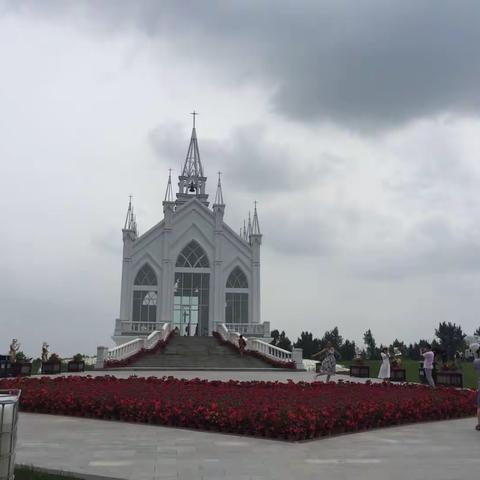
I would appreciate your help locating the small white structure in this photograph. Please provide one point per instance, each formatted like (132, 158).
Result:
(190, 270)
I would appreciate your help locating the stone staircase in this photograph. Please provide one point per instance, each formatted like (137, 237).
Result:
(198, 353)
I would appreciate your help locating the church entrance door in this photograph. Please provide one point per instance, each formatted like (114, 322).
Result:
(191, 303)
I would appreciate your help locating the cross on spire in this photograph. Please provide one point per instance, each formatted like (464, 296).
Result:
(194, 114)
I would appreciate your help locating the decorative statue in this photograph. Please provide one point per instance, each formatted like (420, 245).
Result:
(14, 348)
(45, 351)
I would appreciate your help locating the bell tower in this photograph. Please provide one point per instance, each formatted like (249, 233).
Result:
(191, 183)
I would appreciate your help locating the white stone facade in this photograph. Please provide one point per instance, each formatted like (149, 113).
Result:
(167, 278)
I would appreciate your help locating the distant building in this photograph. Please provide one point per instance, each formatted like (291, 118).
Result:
(191, 268)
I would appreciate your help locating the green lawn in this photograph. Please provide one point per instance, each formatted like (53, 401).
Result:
(411, 367)
(26, 473)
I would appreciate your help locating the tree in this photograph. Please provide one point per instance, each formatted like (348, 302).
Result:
(400, 345)
(275, 334)
(284, 342)
(413, 349)
(477, 332)
(333, 337)
(451, 339)
(347, 350)
(370, 344)
(281, 340)
(309, 344)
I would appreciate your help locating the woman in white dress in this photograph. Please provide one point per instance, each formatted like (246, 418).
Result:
(384, 372)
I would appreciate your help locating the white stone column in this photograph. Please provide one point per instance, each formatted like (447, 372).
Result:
(102, 353)
(217, 282)
(297, 357)
(166, 292)
(256, 241)
(125, 290)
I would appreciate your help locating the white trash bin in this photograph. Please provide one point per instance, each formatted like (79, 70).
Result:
(8, 432)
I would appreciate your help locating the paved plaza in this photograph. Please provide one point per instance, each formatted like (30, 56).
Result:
(447, 450)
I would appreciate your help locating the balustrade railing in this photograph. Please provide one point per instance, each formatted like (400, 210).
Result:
(250, 329)
(269, 350)
(254, 344)
(121, 352)
(123, 327)
(126, 350)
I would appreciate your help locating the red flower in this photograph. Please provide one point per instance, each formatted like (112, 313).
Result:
(291, 411)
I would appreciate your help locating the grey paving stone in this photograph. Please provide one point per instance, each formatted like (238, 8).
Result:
(446, 450)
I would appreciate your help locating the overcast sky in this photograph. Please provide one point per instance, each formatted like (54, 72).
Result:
(355, 124)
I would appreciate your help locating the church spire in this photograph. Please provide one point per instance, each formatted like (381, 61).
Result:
(130, 220)
(256, 225)
(192, 181)
(219, 194)
(193, 166)
(169, 192)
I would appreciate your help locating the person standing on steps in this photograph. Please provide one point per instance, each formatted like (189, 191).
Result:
(328, 366)
(428, 358)
(242, 343)
(384, 372)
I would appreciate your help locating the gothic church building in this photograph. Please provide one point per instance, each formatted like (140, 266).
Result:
(190, 269)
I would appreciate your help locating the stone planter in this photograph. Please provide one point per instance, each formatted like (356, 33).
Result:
(362, 371)
(21, 369)
(450, 378)
(51, 368)
(74, 366)
(398, 375)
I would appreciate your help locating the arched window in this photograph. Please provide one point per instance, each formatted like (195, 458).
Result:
(146, 276)
(192, 256)
(145, 297)
(237, 279)
(236, 297)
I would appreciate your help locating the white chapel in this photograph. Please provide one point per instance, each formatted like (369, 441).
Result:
(191, 269)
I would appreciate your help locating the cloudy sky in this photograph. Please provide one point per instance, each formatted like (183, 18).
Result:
(355, 124)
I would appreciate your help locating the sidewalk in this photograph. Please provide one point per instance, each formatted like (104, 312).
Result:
(447, 450)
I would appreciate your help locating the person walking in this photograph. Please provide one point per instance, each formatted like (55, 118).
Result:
(384, 372)
(428, 358)
(328, 366)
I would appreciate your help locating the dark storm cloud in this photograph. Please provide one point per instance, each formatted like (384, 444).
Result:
(366, 65)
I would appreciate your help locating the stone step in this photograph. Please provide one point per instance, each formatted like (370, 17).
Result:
(198, 352)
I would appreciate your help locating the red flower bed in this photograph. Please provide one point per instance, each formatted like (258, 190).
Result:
(161, 344)
(290, 364)
(290, 411)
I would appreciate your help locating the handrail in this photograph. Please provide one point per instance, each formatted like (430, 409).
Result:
(126, 350)
(121, 352)
(255, 344)
(271, 351)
